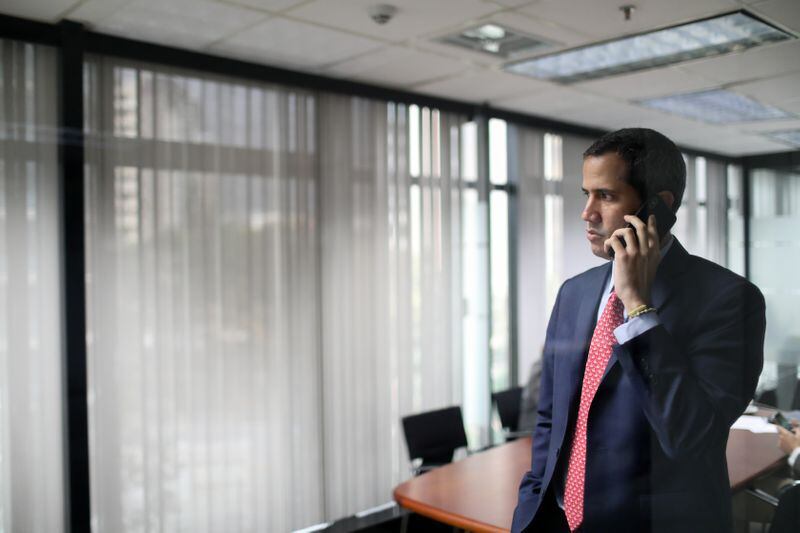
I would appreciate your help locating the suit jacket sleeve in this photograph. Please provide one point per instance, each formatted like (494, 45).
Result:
(692, 391)
(531, 485)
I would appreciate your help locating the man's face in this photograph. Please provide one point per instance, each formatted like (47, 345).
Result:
(608, 199)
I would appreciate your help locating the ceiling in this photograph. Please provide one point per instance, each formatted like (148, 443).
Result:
(337, 38)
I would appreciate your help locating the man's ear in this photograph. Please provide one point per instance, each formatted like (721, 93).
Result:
(668, 198)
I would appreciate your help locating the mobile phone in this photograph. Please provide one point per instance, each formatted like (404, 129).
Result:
(665, 218)
(779, 420)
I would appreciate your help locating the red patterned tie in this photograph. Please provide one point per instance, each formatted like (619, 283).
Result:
(603, 341)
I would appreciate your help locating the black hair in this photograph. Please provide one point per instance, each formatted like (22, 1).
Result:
(654, 162)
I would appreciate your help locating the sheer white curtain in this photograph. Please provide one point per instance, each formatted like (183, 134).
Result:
(266, 300)
(31, 425)
(391, 288)
(550, 234)
(703, 218)
(526, 168)
(578, 255)
(204, 351)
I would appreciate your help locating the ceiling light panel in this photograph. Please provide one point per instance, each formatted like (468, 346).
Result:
(496, 40)
(790, 137)
(715, 107)
(719, 35)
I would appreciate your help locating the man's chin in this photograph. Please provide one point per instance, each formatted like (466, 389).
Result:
(600, 251)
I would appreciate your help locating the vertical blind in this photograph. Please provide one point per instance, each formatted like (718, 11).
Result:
(31, 425)
(204, 349)
(264, 306)
(391, 288)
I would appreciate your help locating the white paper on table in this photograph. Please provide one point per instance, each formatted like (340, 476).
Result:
(756, 424)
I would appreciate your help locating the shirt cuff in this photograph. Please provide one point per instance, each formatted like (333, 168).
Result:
(793, 456)
(636, 326)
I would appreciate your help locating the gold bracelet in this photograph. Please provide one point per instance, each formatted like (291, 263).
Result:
(641, 310)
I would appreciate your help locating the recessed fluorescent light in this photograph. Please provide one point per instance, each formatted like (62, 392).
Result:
(496, 40)
(727, 33)
(716, 106)
(790, 137)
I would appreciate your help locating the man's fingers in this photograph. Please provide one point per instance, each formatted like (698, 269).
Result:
(614, 242)
(630, 238)
(642, 234)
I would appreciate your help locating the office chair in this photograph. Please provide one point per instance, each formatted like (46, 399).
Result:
(508, 404)
(787, 508)
(796, 400)
(768, 397)
(433, 436)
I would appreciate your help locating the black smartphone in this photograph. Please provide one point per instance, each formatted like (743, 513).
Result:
(665, 218)
(779, 420)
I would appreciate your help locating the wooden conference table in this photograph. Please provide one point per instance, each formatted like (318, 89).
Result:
(479, 493)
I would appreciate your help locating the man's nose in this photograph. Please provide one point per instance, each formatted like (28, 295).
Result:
(589, 213)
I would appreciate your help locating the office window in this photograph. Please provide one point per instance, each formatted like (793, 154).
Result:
(736, 248)
(475, 294)
(500, 339)
(204, 391)
(553, 216)
(710, 215)
(774, 256)
(31, 422)
(391, 291)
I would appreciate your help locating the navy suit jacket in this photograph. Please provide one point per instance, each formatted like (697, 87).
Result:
(658, 425)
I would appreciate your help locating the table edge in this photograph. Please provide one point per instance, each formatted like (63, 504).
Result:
(444, 516)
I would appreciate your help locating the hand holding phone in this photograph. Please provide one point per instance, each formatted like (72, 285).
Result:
(665, 218)
(779, 420)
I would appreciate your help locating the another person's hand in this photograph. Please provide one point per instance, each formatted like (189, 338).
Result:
(788, 440)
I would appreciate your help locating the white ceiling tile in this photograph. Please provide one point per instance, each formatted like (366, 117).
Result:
(783, 12)
(176, 22)
(774, 90)
(398, 66)
(551, 102)
(288, 42)
(603, 18)
(483, 86)
(95, 11)
(792, 106)
(647, 84)
(413, 19)
(771, 125)
(48, 10)
(769, 60)
(740, 145)
(511, 3)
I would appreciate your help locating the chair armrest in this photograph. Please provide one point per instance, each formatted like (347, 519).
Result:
(763, 496)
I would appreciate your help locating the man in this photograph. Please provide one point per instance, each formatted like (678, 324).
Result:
(634, 412)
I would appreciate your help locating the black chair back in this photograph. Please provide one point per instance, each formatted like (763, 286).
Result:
(796, 400)
(768, 397)
(433, 436)
(508, 404)
(787, 514)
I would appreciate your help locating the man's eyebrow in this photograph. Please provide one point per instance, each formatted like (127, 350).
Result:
(601, 190)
